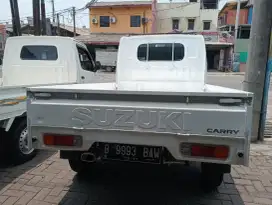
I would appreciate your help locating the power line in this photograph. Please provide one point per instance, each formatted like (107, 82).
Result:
(47, 14)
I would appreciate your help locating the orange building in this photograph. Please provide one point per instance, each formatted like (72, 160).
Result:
(121, 17)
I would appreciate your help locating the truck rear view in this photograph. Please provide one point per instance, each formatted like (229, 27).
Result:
(159, 111)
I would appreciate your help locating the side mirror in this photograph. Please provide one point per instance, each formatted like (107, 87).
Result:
(97, 65)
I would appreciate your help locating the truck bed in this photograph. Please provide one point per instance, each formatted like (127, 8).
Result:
(12, 101)
(102, 113)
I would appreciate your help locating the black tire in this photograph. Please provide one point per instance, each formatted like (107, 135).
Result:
(210, 180)
(78, 166)
(109, 69)
(18, 156)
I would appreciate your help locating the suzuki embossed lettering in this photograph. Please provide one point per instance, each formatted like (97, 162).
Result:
(127, 118)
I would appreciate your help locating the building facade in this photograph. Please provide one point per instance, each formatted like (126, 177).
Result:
(121, 17)
(188, 16)
(226, 22)
(109, 21)
(2, 39)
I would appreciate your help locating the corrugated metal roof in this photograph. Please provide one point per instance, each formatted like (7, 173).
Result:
(118, 3)
(101, 38)
(114, 38)
(79, 31)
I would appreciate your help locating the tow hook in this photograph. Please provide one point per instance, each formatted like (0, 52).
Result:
(240, 154)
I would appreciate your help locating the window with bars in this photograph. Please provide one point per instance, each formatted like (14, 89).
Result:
(135, 21)
(175, 24)
(206, 25)
(104, 21)
(191, 24)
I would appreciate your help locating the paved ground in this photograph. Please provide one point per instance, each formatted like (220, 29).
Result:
(48, 180)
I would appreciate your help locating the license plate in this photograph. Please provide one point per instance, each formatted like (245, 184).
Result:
(131, 153)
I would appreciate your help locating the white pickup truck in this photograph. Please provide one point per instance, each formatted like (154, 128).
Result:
(35, 60)
(160, 111)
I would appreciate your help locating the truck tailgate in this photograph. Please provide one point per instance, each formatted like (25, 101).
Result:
(172, 117)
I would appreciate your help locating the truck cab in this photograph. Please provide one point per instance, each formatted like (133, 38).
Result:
(32, 60)
(162, 63)
(36, 60)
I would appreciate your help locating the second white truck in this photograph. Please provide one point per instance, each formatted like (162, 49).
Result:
(35, 60)
(159, 111)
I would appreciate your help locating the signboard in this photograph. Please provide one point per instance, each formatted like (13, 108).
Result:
(210, 36)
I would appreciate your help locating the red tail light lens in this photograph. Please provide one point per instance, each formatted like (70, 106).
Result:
(60, 140)
(205, 150)
(219, 152)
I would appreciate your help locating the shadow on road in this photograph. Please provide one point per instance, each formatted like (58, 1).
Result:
(124, 185)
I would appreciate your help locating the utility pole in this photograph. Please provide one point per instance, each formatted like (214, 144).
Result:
(17, 17)
(237, 20)
(36, 17)
(236, 62)
(43, 17)
(74, 20)
(53, 10)
(16, 24)
(13, 18)
(58, 25)
(257, 61)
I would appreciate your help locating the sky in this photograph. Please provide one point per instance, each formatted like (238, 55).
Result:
(25, 9)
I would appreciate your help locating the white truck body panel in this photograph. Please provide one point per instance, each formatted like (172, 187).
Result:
(96, 115)
(152, 103)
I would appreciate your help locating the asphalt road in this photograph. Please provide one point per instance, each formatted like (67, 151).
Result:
(231, 81)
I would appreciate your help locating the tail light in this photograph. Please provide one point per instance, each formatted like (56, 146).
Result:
(61, 140)
(202, 150)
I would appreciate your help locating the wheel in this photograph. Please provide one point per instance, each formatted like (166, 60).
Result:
(77, 166)
(18, 143)
(210, 180)
(108, 69)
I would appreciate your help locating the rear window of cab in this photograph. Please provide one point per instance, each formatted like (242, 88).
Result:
(160, 52)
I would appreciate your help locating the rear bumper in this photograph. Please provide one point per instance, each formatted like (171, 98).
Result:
(172, 142)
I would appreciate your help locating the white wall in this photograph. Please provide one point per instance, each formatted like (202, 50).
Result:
(211, 15)
(184, 11)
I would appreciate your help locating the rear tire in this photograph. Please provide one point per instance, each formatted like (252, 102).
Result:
(78, 166)
(211, 180)
(17, 140)
(108, 69)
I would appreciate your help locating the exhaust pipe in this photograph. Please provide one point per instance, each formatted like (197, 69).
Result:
(88, 157)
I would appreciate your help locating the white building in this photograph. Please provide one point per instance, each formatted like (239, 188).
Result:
(194, 15)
